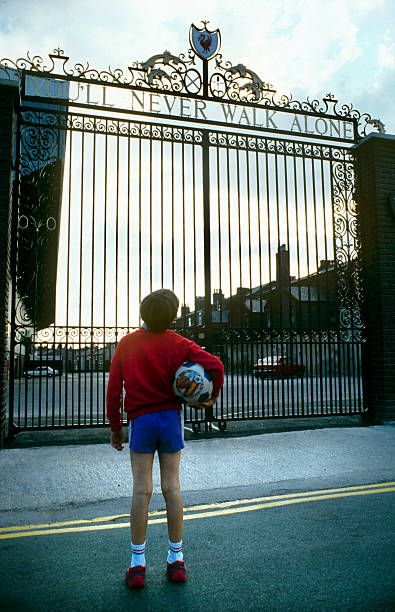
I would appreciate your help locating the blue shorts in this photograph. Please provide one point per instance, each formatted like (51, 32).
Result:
(162, 431)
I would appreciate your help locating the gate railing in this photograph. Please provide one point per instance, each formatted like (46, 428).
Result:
(207, 182)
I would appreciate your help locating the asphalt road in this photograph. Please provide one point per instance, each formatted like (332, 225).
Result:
(320, 552)
(80, 398)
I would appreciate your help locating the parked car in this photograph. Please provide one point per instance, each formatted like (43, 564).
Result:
(42, 371)
(277, 366)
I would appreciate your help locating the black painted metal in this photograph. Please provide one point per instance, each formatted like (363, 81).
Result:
(254, 229)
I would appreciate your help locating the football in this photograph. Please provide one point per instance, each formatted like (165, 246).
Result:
(192, 383)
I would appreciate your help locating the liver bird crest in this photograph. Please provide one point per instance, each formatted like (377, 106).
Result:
(205, 40)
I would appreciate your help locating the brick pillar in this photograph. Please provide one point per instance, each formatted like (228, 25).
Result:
(9, 99)
(375, 163)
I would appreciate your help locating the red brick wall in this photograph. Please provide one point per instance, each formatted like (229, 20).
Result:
(375, 157)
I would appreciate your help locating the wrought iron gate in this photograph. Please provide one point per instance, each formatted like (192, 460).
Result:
(203, 181)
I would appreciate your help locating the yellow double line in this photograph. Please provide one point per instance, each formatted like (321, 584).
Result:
(195, 512)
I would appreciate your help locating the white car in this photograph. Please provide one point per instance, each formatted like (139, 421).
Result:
(42, 371)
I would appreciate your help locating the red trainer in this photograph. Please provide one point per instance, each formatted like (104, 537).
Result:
(177, 571)
(135, 577)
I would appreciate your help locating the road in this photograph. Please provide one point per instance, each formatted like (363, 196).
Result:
(79, 398)
(320, 551)
(295, 520)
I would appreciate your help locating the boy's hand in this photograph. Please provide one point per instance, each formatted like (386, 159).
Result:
(208, 404)
(117, 439)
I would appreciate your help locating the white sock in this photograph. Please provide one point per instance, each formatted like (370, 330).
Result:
(175, 552)
(138, 555)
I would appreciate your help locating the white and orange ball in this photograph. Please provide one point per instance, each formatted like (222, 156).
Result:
(192, 383)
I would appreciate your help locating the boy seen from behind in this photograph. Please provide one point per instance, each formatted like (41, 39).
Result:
(144, 365)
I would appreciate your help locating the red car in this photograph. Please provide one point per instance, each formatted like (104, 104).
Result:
(277, 366)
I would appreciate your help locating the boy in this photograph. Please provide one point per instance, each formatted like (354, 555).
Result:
(144, 363)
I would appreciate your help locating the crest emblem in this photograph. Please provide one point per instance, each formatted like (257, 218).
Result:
(205, 43)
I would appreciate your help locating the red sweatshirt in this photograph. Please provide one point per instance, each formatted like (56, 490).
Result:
(144, 363)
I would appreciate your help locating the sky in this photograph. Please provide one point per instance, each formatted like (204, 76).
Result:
(304, 47)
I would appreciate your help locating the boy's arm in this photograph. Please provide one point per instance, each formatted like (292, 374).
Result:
(114, 392)
(209, 362)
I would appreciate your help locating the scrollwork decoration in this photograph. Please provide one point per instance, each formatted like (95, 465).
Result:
(166, 72)
(348, 265)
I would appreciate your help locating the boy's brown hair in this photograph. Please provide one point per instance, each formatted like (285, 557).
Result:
(159, 309)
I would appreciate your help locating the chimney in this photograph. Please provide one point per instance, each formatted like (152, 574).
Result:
(282, 268)
(326, 264)
(185, 310)
(218, 299)
(199, 302)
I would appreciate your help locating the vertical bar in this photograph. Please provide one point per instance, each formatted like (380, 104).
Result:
(93, 277)
(117, 236)
(68, 293)
(194, 220)
(207, 248)
(327, 295)
(183, 220)
(338, 386)
(310, 387)
(13, 270)
(290, 381)
(105, 348)
(317, 339)
(55, 326)
(205, 78)
(161, 214)
(129, 142)
(250, 315)
(117, 239)
(299, 307)
(343, 342)
(139, 222)
(80, 287)
(150, 212)
(172, 211)
(350, 271)
(240, 297)
(207, 238)
(231, 306)
(279, 334)
(260, 387)
(270, 270)
(219, 408)
(37, 228)
(219, 227)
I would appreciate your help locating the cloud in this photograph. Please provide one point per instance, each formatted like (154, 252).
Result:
(304, 47)
(386, 56)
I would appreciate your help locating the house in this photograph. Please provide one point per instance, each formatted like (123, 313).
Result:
(309, 302)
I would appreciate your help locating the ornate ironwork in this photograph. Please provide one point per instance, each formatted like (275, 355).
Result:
(72, 335)
(273, 337)
(40, 169)
(278, 146)
(166, 72)
(144, 214)
(34, 120)
(347, 253)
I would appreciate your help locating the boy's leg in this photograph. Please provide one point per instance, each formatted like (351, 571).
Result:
(142, 491)
(170, 483)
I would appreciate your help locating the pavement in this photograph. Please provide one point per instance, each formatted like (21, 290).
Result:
(249, 499)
